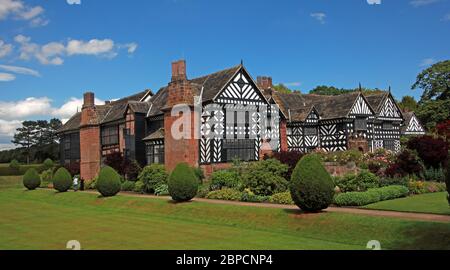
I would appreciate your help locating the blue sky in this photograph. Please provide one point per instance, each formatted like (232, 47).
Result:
(51, 51)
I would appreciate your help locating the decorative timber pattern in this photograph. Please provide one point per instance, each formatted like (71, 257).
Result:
(389, 110)
(241, 91)
(414, 127)
(361, 107)
(333, 138)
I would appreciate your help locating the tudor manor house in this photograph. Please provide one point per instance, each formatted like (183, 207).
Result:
(138, 126)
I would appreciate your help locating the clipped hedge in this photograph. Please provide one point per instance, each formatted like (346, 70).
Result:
(183, 183)
(371, 196)
(226, 194)
(108, 183)
(31, 179)
(62, 180)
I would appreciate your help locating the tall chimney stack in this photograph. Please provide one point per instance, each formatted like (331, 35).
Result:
(264, 82)
(179, 70)
(89, 100)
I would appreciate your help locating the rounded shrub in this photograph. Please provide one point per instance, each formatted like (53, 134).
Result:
(153, 176)
(108, 183)
(31, 179)
(48, 164)
(311, 186)
(62, 180)
(183, 184)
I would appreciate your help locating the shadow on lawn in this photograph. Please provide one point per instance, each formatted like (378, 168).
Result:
(424, 238)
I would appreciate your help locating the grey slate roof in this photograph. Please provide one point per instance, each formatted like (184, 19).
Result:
(157, 135)
(73, 124)
(376, 100)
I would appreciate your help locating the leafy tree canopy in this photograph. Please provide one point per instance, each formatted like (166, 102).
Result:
(435, 81)
(408, 104)
(334, 91)
(281, 88)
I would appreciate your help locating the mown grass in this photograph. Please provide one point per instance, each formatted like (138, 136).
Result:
(433, 203)
(44, 219)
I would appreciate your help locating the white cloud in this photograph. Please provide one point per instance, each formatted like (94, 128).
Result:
(74, 2)
(374, 2)
(6, 77)
(7, 128)
(20, 70)
(23, 109)
(427, 62)
(49, 54)
(21, 11)
(131, 47)
(420, 3)
(5, 49)
(6, 146)
(69, 108)
(319, 16)
(92, 47)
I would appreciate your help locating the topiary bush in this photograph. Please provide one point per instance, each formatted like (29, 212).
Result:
(282, 198)
(183, 184)
(226, 194)
(224, 179)
(152, 176)
(311, 186)
(31, 179)
(48, 164)
(108, 183)
(62, 180)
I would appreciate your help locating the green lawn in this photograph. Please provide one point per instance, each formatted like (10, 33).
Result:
(434, 203)
(44, 219)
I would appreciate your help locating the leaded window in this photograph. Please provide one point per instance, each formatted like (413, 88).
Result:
(155, 153)
(240, 149)
(110, 135)
(361, 124)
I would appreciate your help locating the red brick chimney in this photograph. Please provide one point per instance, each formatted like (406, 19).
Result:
(89, 139)
(264, 82)
(179, 92)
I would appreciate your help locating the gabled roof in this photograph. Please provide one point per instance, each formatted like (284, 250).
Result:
(110, 112)
(376, 100)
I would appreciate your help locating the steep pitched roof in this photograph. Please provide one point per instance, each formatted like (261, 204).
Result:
(72, 124)
(376, 100)
(109, 112)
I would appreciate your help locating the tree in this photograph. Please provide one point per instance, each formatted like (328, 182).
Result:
(333, 91)
(281, 88)
(26, 136)
(432, 112)
(435, 82)
(408, 104)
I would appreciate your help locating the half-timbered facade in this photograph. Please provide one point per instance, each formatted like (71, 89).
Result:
(412, 126)
(229, 116)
